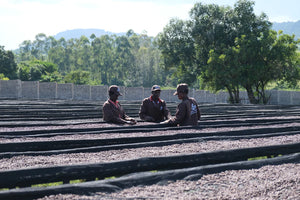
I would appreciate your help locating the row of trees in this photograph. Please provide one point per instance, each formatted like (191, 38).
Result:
(230, 48)
(130, 60)
(218, 48)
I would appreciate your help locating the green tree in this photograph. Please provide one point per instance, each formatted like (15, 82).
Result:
(77, 77)
(148, 58)
(103, 58)
(223, 73)
(25, 51)
(8, 66)
(231, 73)
(51, 77)
(275, 60)
(134, 75)
(34, 70)
(123, 60)
(229, 49)
(82, 52)
(178, 49)
(253, 34)
(41, 46)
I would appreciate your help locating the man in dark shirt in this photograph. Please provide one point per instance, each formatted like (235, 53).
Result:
(112, 109)
(154, 109)
(187, 112)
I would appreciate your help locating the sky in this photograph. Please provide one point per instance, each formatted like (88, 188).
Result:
(22, 20)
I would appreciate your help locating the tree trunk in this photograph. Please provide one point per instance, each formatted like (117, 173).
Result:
(231, 98)
(251, 96)
(237, 95)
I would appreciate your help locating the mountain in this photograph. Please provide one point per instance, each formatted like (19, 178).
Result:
(288, 28)
(77, 33)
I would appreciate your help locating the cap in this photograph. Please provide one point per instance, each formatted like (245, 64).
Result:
(114, 89)
(183, 87)
(155, 88)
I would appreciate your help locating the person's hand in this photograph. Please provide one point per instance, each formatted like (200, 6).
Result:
(131, 122)
(165, 122)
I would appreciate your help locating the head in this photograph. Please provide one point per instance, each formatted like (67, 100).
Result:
(182, 90)
(114, 92)
(155, 90)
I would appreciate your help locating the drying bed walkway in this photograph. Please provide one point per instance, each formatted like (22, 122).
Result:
(219, 159)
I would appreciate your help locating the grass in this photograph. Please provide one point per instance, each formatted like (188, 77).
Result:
(263, 157)
(59, 183)
(48, 184)
(77, 181)
(53, 184)
(111, 177)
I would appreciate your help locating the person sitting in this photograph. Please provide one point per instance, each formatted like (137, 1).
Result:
(187, 112)
(112, 109)
(154, 109)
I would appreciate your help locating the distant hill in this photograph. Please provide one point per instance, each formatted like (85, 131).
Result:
(288, 28)
(77, 33)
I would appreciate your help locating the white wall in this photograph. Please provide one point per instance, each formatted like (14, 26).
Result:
(16, 89)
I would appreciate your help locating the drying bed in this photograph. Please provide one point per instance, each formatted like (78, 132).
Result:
(231, 154)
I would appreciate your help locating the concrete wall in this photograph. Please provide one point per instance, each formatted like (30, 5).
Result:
(295, 98)
(134, 93)
(10, 89)
(65, 91)
(99, 92)
(34, 90)
(273, 94)
(30, 90)
(47, 90)
(82, 92)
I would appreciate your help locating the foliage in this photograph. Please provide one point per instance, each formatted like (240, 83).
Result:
(36, 70)
(177, 47)
(52, 77)
(8, 65)
(130, 60)
(2, 77)
(229, 48)
(273, 59)
(77, 77)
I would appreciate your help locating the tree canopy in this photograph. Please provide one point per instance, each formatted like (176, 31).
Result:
(130, 60)
(8, 66)
(230, 48)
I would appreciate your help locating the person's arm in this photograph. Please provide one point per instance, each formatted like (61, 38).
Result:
(142, 112)
(198, 112)
(180, 115)
(109, 116)
(166, 111)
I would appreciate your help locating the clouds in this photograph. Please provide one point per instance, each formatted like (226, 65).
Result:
(279, 10)
(23, 19)
(26, 18)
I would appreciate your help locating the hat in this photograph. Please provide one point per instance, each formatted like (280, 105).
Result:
(155, 88)
(183, 87)
(114, 89)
